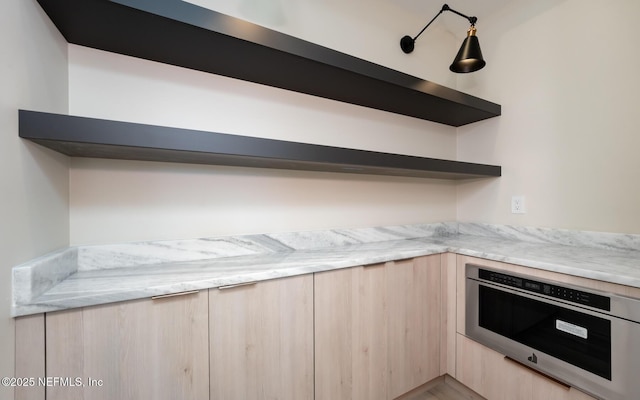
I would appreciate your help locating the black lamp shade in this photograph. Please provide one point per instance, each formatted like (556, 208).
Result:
(469, 57)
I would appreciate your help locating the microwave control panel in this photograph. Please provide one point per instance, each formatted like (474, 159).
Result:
(548, 289)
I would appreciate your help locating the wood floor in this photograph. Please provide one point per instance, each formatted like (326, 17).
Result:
(444, 389)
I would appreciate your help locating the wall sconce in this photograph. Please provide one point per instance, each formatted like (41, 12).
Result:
(469, 57)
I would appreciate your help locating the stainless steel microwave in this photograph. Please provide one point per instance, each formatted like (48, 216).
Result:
(582, 337)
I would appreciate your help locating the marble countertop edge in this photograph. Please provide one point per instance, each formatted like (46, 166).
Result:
(57, 300)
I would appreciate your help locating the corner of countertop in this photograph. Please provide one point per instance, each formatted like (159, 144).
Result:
(35, 277)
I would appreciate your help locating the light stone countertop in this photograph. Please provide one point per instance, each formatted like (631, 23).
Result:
(91, 275)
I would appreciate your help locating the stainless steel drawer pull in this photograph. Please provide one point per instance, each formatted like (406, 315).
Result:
(237, 285)
(164, 296)
(542, 374)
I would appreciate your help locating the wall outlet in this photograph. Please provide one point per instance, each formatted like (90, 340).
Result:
(517, 205)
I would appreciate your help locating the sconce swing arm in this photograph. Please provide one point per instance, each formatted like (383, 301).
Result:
(407, 43)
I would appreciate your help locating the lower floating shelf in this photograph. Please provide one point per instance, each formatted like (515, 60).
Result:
(98, 138)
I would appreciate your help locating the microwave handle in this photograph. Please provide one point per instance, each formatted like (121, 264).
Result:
(562, 384)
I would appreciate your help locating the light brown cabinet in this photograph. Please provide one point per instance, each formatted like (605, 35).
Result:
(369, 332)
(261, 340)
(143, 349)
(414, 289)
(377, 329)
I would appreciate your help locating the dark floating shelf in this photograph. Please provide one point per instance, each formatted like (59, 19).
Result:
(98, 138)
(183, 34)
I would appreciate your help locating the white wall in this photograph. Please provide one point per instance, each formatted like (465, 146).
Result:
(114, 201)
(34, 181)
(566, 74)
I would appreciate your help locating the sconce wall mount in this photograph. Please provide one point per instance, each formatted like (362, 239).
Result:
(469, 57)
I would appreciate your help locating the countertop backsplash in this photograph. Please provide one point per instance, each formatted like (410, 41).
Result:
(599, 240)
(149, 253)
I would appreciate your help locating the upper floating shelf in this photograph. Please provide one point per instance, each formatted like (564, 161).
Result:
(98, 138)
(183, 34)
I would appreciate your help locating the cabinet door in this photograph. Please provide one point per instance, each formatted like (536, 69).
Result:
(495, 377)
(143, 349)
(377, 329)
(351, 327)
(262, 340)
(413, 290)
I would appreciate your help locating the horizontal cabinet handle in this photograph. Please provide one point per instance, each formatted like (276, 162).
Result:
(542, 374)
(399, 260)
(164, 296)
(237, 285)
